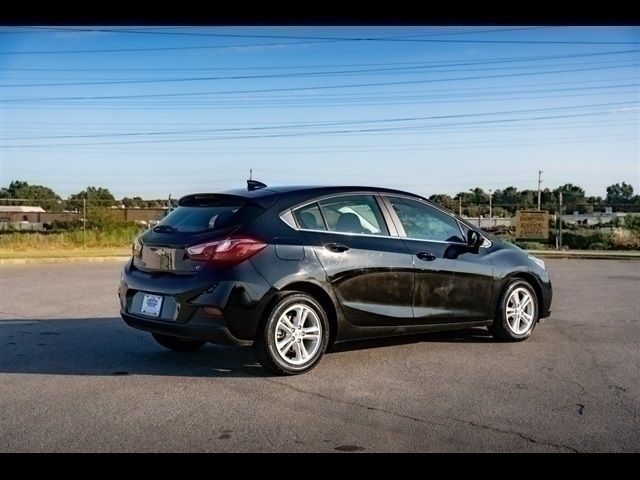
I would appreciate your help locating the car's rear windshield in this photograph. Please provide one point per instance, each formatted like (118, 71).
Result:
(213, 215)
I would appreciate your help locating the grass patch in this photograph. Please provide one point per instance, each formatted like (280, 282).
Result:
(112, 242)
(68, 253)
(111, 238)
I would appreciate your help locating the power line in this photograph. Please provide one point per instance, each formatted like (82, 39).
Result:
(330, 132)
(160, 49)
(484, 91)
(434, 64)
(439, 129)
(328, 124)
(209, 34)
(316, 87)
(455, 89)
(555, 126)
(314, 40)
(427, 147)
(367, 72)
(414, 94)
(355, 102)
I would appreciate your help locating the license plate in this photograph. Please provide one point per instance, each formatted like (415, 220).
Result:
(151, 305)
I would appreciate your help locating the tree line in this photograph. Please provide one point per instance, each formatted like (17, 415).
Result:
(474, 202)
(506, 201)
(48, 199)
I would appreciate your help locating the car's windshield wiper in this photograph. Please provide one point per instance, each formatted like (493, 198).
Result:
(164, 228)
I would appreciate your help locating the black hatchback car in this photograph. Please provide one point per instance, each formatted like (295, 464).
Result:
(294, 270)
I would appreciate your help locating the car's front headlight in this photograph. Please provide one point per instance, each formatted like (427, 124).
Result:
(538, 261)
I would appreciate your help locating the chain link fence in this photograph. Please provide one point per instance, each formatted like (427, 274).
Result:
(34, 223)
(572, 225)
(93, 222)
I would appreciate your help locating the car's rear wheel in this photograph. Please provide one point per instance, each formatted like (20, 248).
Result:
(517, 312)
(293, 335)
(178, 344)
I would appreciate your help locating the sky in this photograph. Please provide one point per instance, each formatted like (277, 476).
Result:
(156, 110)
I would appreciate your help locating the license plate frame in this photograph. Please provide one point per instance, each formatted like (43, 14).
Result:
(151, 305)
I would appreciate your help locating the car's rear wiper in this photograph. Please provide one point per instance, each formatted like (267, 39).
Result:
(164, 228)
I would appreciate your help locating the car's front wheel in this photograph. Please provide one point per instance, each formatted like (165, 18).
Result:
(293, 335)
(178, 344)
(517, 312)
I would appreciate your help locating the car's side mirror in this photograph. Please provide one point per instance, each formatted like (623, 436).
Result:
(474, 239)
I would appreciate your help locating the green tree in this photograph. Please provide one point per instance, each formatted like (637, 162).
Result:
(478, 196)
(528, 199)
(134, 202)
(38, 195)
(509, 198)
(445, 200)
(548, 199)
(96, 197)
(573, 197)
(619, 193)
(500, 212)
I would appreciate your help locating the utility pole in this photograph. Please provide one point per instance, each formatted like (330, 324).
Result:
(560, 218)
(490, 205)
(251, 174)
(84, 223)
(460, 205)
(539, 190)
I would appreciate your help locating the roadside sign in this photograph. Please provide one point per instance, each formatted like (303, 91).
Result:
(532, 224)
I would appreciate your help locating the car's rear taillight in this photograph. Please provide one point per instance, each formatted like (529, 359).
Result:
(136, 248)
(227, 251)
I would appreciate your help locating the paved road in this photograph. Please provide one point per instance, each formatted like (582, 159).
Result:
(73, 377)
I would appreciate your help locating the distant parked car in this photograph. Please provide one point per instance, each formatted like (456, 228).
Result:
(295, 270)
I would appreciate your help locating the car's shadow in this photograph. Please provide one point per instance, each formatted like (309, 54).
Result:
(106, 346)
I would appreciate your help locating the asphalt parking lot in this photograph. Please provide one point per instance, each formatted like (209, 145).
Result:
(73, 377)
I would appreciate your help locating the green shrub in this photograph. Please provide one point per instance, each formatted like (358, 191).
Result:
(632, 222)
(582, 239)
(531, 245)
(116, 237)
(625, 239)
(107, 218)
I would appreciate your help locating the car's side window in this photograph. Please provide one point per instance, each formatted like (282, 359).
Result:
(309, 217)
(353, 214)
(424, 222)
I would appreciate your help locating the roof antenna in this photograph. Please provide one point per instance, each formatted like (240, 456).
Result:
(254, 184)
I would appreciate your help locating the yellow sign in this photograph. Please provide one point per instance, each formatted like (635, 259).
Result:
(532, 224)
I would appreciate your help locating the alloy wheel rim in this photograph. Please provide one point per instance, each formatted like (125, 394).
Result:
(520, 311)
(297, 334)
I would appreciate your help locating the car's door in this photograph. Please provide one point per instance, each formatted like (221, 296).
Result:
(452, 281)
(368, 266)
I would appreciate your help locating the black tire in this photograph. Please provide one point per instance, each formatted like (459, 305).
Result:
(178, 344)
(500, 328)
(264, 345)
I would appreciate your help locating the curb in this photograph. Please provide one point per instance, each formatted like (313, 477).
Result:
(585, 255)
(27, 261)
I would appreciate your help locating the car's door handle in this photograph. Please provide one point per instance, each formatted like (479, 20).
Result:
(426, 256)
(336, 247)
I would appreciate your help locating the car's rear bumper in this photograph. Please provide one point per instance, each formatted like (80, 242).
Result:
(199, 327)
(238, 296)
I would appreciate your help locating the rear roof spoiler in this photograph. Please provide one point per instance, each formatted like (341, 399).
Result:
(203, 199)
